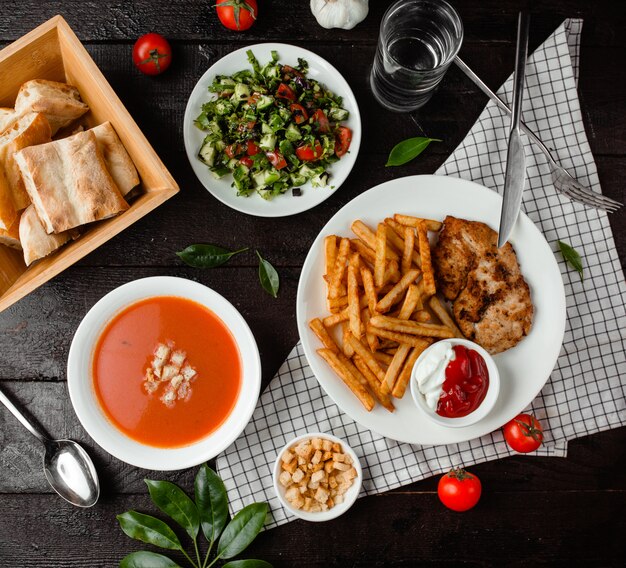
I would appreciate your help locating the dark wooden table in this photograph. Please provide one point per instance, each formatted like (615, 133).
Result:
(534, 510)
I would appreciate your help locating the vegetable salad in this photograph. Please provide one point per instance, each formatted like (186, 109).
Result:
(272, 128)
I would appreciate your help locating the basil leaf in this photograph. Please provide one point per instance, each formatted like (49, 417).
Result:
(247, 564)
(572, 257)
(174, 502)
(206, 256)
(145, 559)
(148, 529)
(268, 276)
(408, 150)
(212, 502)
(242, 530)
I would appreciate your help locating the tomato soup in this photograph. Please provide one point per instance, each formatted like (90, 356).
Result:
(166, 371)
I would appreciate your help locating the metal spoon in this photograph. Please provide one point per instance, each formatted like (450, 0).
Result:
(68, 468)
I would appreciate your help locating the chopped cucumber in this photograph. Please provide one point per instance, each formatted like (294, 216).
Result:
(267, 142)
(292, 133)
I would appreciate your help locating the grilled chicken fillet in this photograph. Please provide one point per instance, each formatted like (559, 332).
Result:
(490, 298)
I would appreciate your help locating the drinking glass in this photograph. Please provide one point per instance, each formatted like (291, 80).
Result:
(418, 41)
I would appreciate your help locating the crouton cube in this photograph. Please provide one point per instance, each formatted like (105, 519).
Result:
(328, 466)
(315, 507)
(341, 466)
(176, 381)
(188, 372)
(297, 476)
(151, 386)
(287, 456)
(317, 467)
(327, 445)
(339, 457)
(317, 443)
(304, 450)
(338, 499)
(307, 503)
(285, 478)
(321, 495)
(178, 358)
(313, 485)
(290, 467)
(301, 461)
(350, 474)
(317, 457)
(294, 497)
(326, 456)
(348, 459)
(169, 372)
(332, 482)
(318, 476)
(336, 447)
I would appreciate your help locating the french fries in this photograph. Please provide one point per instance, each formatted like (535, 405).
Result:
(381, 295)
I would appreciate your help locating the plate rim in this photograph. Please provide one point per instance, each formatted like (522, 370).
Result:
(354, 148)
(311, 258)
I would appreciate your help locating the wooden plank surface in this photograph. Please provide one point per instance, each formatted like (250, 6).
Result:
(534, 510)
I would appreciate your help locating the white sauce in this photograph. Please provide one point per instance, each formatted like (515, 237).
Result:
(431, 372)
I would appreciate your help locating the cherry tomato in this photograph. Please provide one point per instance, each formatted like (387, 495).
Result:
(308, 153)
(252, 149)
(459, 490)
(246, 162)
(319, 117)
(237, 15)
(300, 114)
(277, 160)
(343, 139)
(290, 72)
(523, 433)
(152, 54)
(285, 92)
(233, 150)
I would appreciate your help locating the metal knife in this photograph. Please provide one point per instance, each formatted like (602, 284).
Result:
(516, 158)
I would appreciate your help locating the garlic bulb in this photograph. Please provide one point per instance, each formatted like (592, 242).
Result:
(339, 13)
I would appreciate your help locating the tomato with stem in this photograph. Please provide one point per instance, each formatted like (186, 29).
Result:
(459, 490)
(237, 15)
(524, 433)
(152, 54)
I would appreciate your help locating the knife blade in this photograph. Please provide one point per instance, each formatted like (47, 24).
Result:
(516, 157)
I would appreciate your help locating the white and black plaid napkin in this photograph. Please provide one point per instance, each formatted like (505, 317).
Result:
(584, 393)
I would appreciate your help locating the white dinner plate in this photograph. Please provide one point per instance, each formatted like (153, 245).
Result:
(286, 204)
(523, 370)
(87, 407)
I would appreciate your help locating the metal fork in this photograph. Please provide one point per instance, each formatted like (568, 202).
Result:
(563, 182)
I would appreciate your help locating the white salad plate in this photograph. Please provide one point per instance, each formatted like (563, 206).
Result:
(523, 370)
(87, 407)
(286, 204)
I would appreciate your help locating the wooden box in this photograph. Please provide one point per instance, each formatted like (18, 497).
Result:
(52, 51)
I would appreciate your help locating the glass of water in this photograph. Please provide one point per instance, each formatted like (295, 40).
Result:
(418, 41)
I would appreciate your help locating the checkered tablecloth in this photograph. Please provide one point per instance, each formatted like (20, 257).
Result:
(584, 394)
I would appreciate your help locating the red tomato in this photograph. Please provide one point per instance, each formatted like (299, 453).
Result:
(308, 153)
(299, 113)
(277, 160)
(285, 92)
(343, 139)
(152, 54)
(252, 149)
(290, 72)
(523, 433)
(237, 15)
(459, 490)
(319, 117)
(233, 150)
(253, 98)
(246, 162)
(246, 126)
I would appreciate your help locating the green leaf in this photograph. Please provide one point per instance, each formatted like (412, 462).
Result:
(206, 256)
(268, 276)
(247, 564)
(572, 257)
(408, 150)
(242, 530)
(145, 559)
(148, 529)
(212, 502)
(174, 502)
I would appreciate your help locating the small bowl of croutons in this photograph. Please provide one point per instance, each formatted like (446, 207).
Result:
(317, 477)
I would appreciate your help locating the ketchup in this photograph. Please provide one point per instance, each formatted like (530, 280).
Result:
(465, 385)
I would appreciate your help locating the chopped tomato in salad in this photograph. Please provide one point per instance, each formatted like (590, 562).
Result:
(273, 128)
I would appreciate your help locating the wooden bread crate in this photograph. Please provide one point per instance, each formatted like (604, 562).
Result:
(52, 51)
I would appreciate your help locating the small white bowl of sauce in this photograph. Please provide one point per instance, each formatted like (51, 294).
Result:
(455, 383)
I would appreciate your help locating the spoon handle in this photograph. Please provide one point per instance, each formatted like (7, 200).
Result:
(25, 422)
